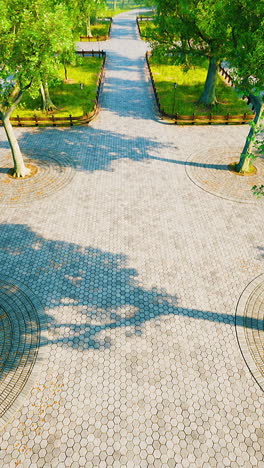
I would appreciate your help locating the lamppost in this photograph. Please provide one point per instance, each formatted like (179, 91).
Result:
(174, 97)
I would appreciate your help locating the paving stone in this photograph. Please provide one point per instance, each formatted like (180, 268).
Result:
(209, 170)
(139, 273)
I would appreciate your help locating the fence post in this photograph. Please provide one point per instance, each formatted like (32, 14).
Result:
(193, 117)
(244, 118)
(71, 123)
(176, 118)
(210, 118)
(227, 118)
(53, 120)
(19, 121)
(36, 120)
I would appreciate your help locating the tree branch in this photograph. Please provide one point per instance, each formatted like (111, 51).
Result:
(18, 99)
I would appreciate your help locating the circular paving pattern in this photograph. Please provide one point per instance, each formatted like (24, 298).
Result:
(52, 175)
(209, 170)
(20, 318)
(250, 327)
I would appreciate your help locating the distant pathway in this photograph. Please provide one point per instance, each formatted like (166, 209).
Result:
(139, 272)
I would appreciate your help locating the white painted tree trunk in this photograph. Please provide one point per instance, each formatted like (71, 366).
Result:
(88, 27)
(20, 170)
(47, 103)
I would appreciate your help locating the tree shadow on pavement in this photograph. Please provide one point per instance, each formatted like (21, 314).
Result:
(87, 292)
(92, 149)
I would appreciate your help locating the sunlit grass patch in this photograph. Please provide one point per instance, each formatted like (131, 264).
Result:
(68, 96)
(190, 83)
(99, 29)
(146, 27)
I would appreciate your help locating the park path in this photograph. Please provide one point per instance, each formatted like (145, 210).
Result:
(139, 272)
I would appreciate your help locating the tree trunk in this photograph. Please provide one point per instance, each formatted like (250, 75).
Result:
(20, 170)
(245, 159)
(88, 27)
(115, 4)
(208, 97)
(65, 71)
(47, 104)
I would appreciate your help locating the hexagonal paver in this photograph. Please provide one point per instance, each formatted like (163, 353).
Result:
(250, 327)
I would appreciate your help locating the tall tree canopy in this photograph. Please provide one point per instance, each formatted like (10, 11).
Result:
(191, 28)
(89, 10)
(245, 52)
(218, 29)
(33, 33)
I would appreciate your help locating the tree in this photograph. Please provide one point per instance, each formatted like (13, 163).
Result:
(32, 34)
(89, 9)
(246, 54)
(193, 28)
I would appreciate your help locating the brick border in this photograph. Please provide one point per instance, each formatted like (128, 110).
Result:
(36, 310)
(244, 337)
(232, 151)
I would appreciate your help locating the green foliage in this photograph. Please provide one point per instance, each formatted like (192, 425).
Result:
(33, 35)
(188, 29)
(258, 191)
(226, 29)
(191, 27)
(256, 139)
(246, 46)
(87, 10)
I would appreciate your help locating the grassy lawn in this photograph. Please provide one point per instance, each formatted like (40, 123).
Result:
(99, 29)
(189, 89)
(146, 27)
(68, 97)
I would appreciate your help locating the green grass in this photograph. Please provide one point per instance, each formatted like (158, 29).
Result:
(99, 29)
(145, 28)
(189, 89)
(69, 98)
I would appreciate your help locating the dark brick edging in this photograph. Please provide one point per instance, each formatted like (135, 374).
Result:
(27, 362)
(138, 26)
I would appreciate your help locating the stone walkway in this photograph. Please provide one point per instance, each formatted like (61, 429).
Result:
(138, 272)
